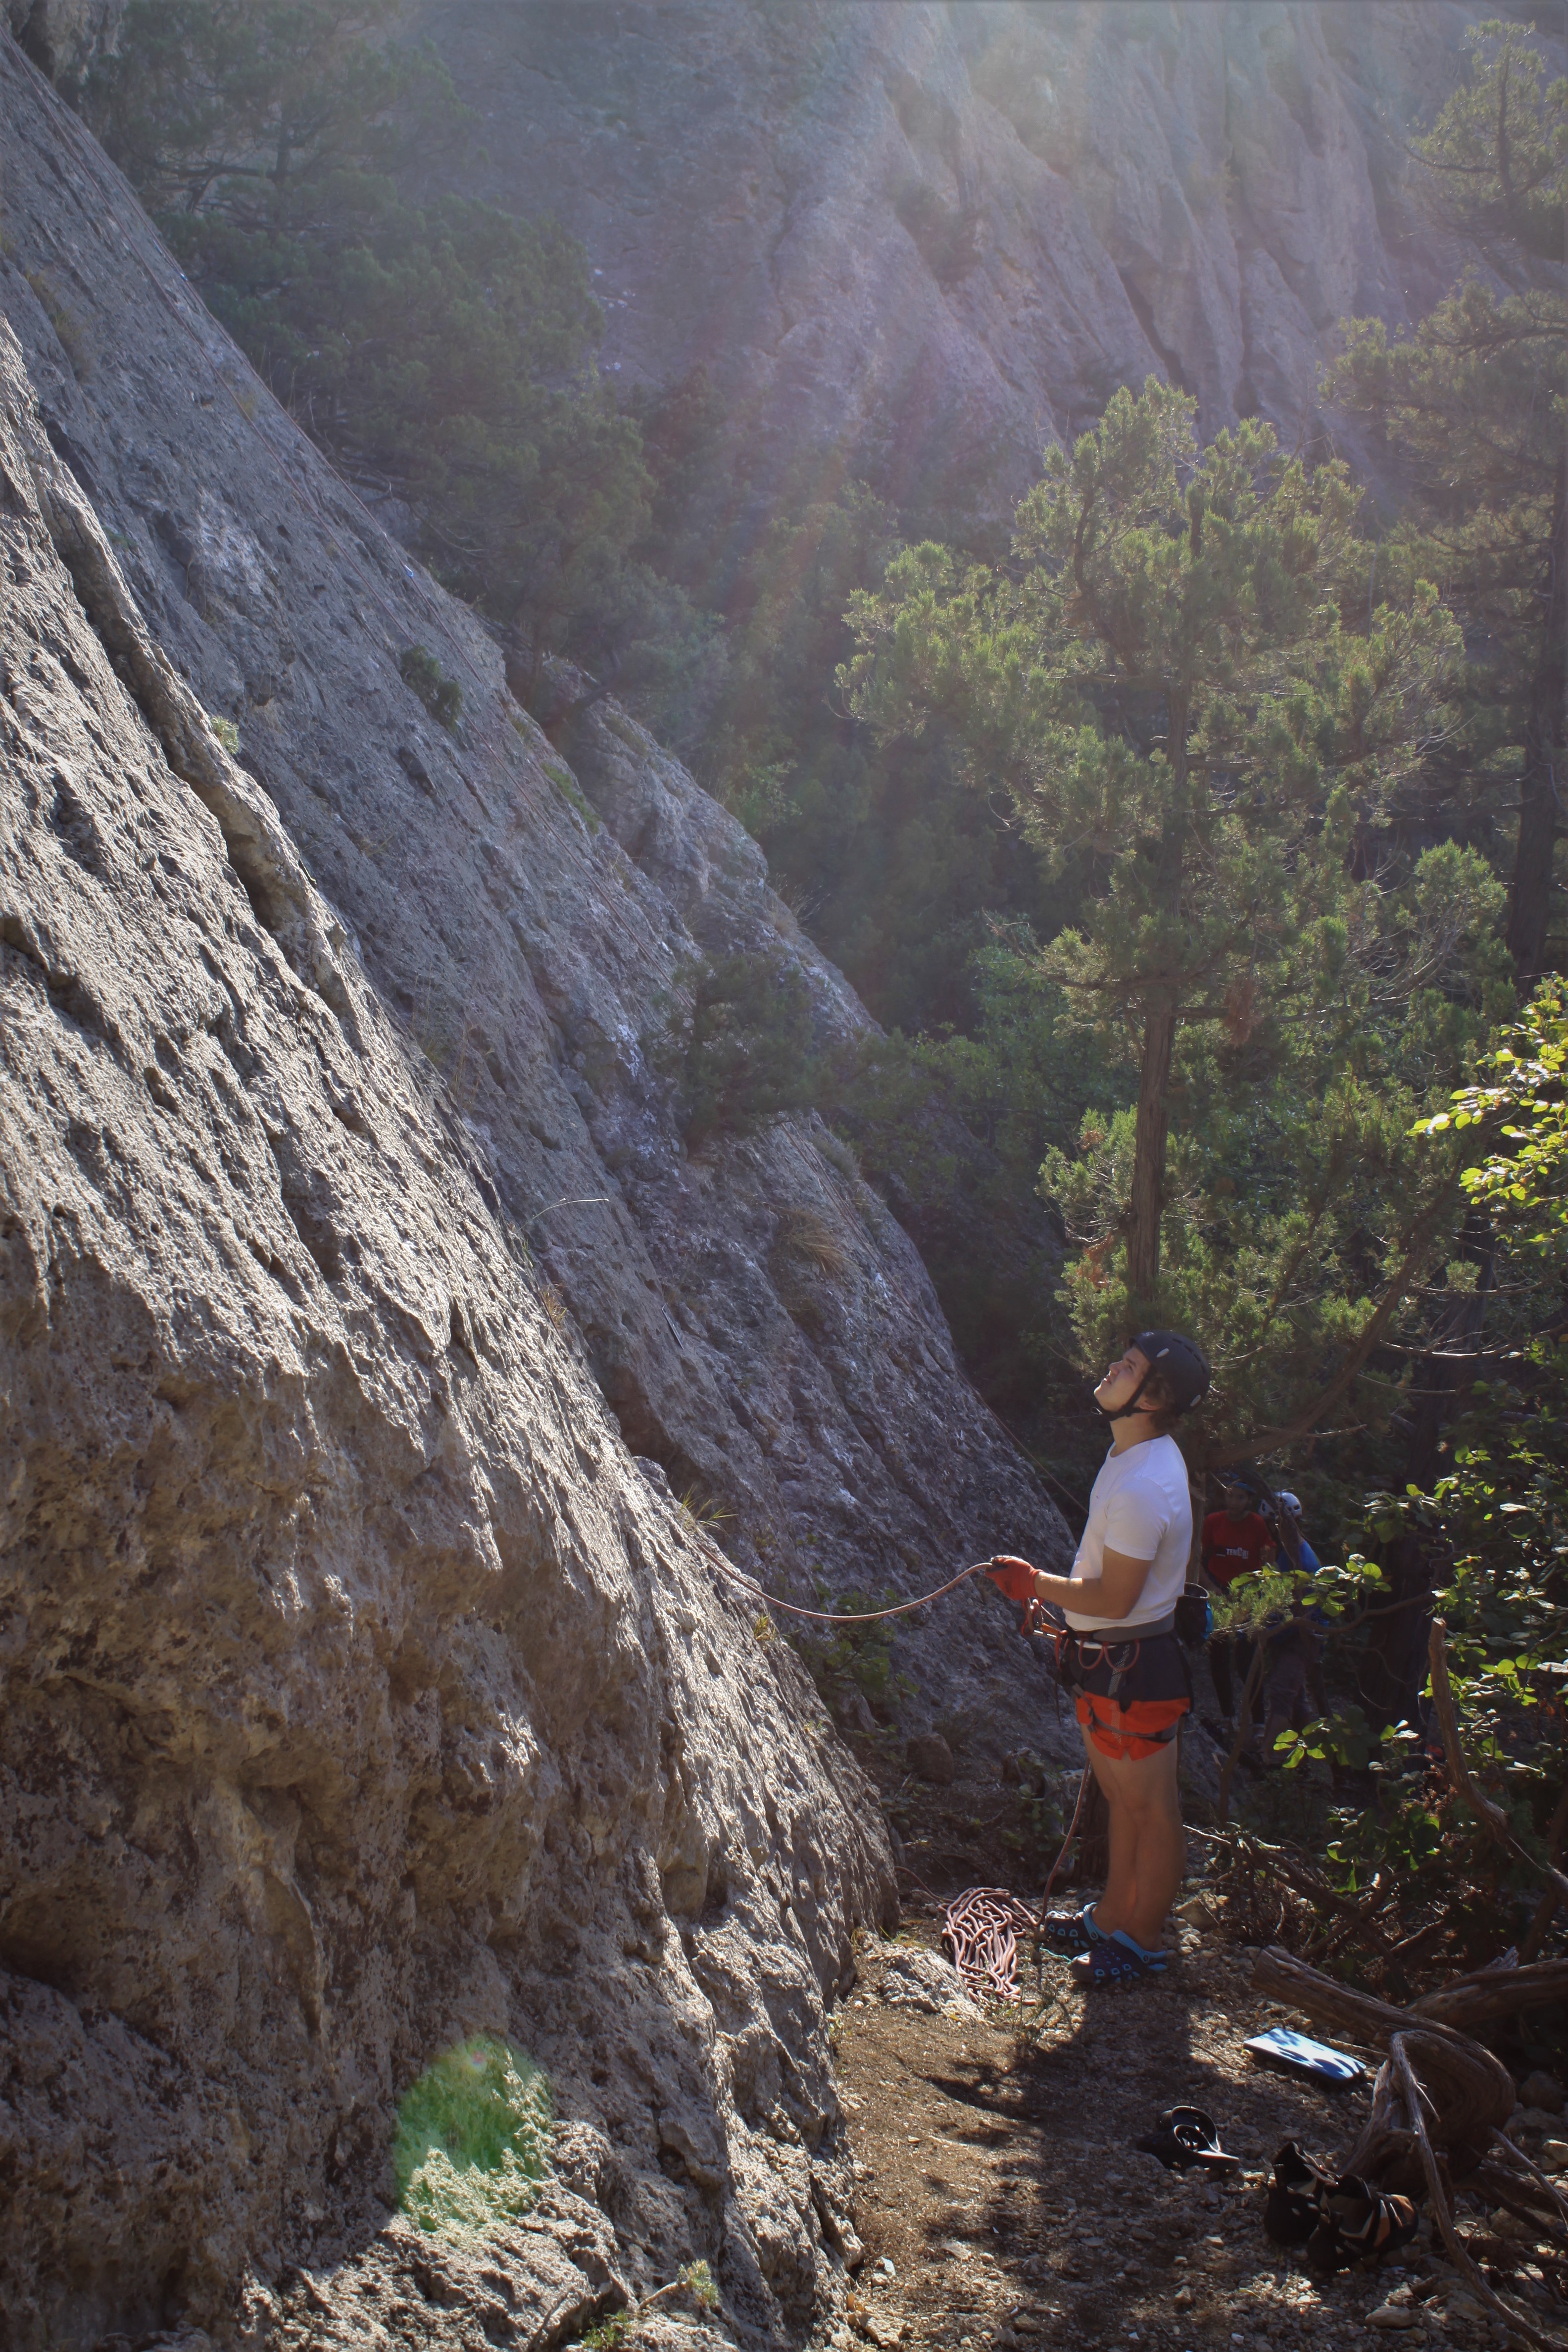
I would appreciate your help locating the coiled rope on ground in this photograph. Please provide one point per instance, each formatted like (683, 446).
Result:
(981, 1929)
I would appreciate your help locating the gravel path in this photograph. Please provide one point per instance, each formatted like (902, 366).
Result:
(998, 2177)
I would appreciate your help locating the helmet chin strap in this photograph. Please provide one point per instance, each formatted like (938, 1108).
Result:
(1123, 1412)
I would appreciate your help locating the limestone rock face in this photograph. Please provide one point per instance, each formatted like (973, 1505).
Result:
(529, 924)
(932, 237)
(63, 36)
(360, 1695)
(360, 1692)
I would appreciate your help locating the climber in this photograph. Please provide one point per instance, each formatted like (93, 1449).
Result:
(1236, 1542)
(1295, 1655)
(1118, 1651)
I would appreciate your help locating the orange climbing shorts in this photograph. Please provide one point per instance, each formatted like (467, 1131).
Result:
(1131, 1695)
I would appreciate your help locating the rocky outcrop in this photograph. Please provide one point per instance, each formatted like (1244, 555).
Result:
(930, 238)
(531, 923)
(361, 1692)
(64, 36)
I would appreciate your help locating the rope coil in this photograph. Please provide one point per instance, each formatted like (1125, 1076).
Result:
(981, 1929)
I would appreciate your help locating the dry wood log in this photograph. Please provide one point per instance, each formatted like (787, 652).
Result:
(1500, 2185)
(1470, 2091)
(1401, 2060)
(1541, 2186)
(1494, 1992)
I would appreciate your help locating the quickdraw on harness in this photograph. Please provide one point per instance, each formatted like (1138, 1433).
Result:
(1119, 1656)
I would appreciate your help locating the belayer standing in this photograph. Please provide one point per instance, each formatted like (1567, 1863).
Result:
(1120, 1653)
(1235, 1542)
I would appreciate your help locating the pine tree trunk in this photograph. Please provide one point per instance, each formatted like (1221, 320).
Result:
(1545, 735)
(1149, 1146)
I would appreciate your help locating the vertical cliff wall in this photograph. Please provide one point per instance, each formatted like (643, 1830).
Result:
(360, 1692)
(920, 240)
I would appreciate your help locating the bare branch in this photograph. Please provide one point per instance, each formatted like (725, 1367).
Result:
(1492, 1817)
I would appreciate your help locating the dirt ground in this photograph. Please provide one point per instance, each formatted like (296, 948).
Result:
(1001, 2198)
(998, 2177)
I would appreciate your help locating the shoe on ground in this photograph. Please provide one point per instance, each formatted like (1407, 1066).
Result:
(1186, 2137)
(1295, 2203)
(1360, 2225)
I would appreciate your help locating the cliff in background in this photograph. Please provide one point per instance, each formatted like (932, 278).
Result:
(918, 241)
(360, 1690)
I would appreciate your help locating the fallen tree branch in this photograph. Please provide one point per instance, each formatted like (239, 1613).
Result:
(1358, 1917)
(1475, 2000)
(1492, 1817)
(1472, 2090)
(1458, 2253)
(1550, 2187)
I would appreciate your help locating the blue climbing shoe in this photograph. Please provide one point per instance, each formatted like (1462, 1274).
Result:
(1116, 1959)
(1068, 1933)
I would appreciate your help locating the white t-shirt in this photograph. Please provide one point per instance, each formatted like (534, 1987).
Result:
(1142, 1507)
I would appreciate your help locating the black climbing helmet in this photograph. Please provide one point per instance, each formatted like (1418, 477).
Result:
(1181, 1364)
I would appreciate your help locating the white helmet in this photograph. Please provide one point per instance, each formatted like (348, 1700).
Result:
(1290, 1503)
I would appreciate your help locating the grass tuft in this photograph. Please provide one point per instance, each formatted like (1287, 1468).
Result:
(472, 2139)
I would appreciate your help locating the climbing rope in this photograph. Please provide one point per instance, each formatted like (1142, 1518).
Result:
(830, 1616)
(981, 1929)
(1067, 1841)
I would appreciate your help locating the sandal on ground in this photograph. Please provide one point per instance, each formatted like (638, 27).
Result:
(1360, 2224)
(1069, 1933)
(1116, 1959)
(1296, 2193)
(1186, 2136)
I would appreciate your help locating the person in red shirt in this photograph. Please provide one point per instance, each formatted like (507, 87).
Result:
(1236, 1542)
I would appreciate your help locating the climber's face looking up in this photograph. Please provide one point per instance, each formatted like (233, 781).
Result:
(1122, 1379)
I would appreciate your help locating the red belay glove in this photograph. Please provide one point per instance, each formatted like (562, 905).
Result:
(1016, 1578)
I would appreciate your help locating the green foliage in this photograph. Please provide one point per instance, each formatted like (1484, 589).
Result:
(1516, 1115)
(1193, 716)
(1498, 150)
(697, 2280)
(472, 2141)
(857, 1657)
(442, 695)
(742, 1047)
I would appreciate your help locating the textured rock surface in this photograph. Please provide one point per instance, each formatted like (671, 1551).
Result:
(63, 36)
(359, 1691)
(934, 236)
(526, 920)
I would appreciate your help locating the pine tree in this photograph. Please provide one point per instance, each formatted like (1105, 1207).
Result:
(1164, 686)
